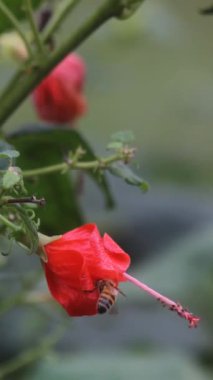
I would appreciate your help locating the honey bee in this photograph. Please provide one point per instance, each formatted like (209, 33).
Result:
(108, 293)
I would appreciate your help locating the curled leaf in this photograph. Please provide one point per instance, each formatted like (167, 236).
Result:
(123, 171)
(9, 153)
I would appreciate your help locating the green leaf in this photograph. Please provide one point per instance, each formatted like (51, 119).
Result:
(17, 8)
(9, 154)
(42, 146)
(125, 172)
(11, 178)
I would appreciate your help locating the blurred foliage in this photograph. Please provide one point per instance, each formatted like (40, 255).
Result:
(17, 8)
(120, 366)
(42, 146)
(147, 76)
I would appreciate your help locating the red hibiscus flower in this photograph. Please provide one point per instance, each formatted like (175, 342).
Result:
(59, 97)
(80, 260)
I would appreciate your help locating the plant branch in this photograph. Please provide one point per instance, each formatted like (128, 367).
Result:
(35, 32)
(63, 10)
(29, 80)
(101, 163)
(14, 22)
(33, 199)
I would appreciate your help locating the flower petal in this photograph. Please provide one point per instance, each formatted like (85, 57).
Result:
(76, 261)
(76, 302)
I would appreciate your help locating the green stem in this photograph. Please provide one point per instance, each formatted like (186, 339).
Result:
(30, 355)
(63, 10)
(102, 163)
(26, 82)
(35, 32)
(14, 22)
(9, 224)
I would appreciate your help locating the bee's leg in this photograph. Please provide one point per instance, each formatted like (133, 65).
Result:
(120, 291)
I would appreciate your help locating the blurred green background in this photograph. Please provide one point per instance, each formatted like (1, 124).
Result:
(151, 74)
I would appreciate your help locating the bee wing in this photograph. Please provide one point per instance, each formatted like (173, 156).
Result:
(114, 310)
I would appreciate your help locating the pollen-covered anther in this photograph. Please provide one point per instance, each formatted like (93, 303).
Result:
(184, 313)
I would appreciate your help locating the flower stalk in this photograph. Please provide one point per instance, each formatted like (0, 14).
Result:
(165, 301)
(101, 163)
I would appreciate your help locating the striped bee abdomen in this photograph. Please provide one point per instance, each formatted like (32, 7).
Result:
(107, 297)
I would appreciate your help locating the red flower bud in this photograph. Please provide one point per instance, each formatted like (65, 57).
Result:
(58, 98)
(83, 271)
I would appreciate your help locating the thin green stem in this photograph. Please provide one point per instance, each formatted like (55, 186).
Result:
(65, 8)
(45, 170)
(14, 22)
(26, 82)
(37, 38)
(101, 163)
(9, 224)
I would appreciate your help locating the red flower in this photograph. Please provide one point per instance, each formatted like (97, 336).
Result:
(80, 260)
(59, 98)
(76, 261)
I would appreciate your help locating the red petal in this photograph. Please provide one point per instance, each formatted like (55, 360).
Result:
(75, 301)
(121, 260)
(104, 258)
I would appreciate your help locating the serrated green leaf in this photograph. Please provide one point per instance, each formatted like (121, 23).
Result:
(17, 8)
(9, 154)
(10, 178)
(125, 172)
(62, 210)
